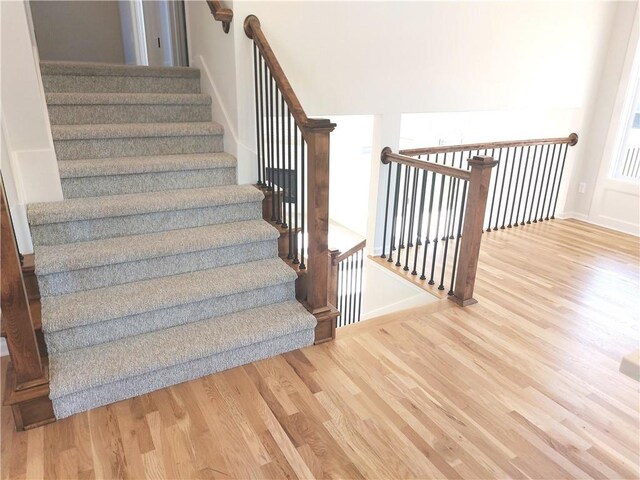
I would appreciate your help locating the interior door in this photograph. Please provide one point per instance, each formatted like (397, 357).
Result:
(157, 28)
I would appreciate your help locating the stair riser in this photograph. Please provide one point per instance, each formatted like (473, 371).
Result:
(146, 182)
(84, 230)
(130, 387)
(108, 275)
(136, 146)
(98, 114)
(119, 84)
(108, 331)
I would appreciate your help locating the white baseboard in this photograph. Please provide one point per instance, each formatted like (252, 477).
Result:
(605, 222)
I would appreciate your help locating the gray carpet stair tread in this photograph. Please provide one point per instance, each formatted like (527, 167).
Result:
(108, 69)
(113, 251)
(140, 203)
(97, 167)
(134, 130)
(107, 363)
(127, 99)
(92, 306)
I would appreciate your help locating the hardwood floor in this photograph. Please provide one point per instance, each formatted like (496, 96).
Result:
(525, 384)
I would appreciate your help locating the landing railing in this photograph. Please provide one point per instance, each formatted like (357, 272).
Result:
(293, 172)
(433, 219)
(526, 183)
(346, 282)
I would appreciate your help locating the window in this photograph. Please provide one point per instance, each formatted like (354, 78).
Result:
(628, 164)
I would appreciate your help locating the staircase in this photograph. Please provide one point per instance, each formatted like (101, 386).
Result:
(157, 267)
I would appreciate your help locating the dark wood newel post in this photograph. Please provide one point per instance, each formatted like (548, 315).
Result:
(479, 181)
(16, 316)
(317, 276)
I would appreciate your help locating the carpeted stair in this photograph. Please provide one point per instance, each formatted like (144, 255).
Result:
(157, 267)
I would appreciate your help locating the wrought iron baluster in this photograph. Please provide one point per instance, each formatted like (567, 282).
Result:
(258, 98)
(411, 217)
(296, 249)
(420, 220)
(515, 192)
(386, 213)
(427, 238)
(458, 237)
(437, 235)
(394, 219)
(535, 187)
(303, 202)
(553, 183)
(507, 199)
(555, 204)
(544, 171)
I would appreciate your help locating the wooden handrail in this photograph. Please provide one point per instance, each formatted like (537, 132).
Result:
(221, 14)
(388, 156)
(340, 256)
(571, 140)
(253, 30)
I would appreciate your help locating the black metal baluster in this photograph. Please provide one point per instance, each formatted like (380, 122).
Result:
(360, 286)
(420, 219)
(495, 187)
(544, 202)
(553, 183)
(296, 260)
(535, 186)
(386, 213)
(339, 293)
(515, 192)
(504, 176)
(258, 99)
(284, 173)
(353, 289)
(303, 201)
(437, 235)
(544, 177)
(458, 236)
(625, 167)
(403, 215)
(278, 163)
(394, 219)
(272, 158)
(448, 233)
(508, 198)
(289, 193)
(411, 217)
(555, 203)
(530, 177)
(427, 239)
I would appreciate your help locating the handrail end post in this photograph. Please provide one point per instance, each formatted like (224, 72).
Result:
(249, 22)
(383, 155)
(574, 139)
(479, 180)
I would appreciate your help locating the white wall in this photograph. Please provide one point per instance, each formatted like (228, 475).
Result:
(392, 58)
(84, 31)
(28, 154)
(608, 201)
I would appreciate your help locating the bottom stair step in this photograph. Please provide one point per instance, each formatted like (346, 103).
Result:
(94, 376)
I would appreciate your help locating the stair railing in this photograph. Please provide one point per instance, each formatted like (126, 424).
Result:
(221, 14)
(433, 219)
(293, 172)
(27, 384)
(526, 183)
(346, 282)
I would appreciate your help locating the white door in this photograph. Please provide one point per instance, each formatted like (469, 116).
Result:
(157, 28)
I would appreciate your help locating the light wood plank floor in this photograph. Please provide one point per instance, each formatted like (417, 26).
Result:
(524, 384)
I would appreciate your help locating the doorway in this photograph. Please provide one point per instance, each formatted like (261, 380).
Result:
(154, 32)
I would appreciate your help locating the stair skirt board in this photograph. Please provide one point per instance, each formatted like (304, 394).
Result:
(156, 268)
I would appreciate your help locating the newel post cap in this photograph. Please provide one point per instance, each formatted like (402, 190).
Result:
(383, 155)
(481, 161)
(249, 22)
(574, 139)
